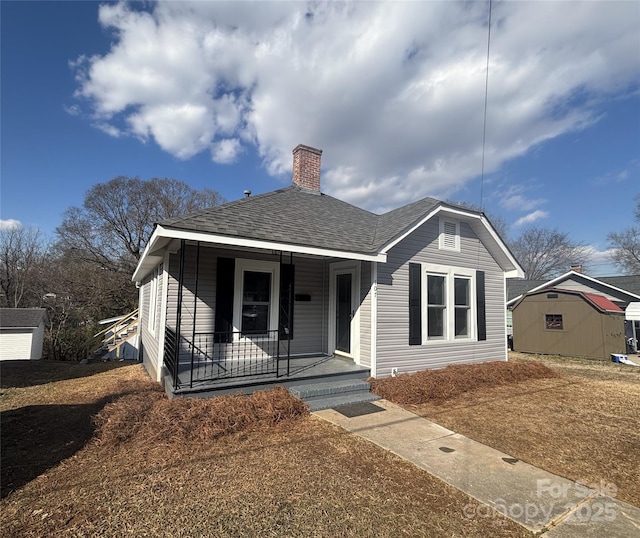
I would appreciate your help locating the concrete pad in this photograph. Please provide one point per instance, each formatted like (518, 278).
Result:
(528, 495)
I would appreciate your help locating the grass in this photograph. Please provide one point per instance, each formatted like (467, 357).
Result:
(99, 450)
(582, 423)
(276, 472)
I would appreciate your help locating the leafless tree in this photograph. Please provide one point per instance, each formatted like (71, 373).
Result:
(545, 253)
(626, 245)
(116, 219)
(21, 253)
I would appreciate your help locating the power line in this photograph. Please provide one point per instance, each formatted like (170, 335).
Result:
(486, 99)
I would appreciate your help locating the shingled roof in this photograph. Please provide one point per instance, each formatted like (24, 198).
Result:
(301, 217)
(21, 318)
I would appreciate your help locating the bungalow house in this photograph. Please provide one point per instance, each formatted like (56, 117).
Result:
(22, 333)
(296, 285)
(622, 291)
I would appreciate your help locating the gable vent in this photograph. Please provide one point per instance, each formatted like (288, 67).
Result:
(449, 235)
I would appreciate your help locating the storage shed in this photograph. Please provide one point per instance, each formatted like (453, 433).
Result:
(569, 323)
(21, 333)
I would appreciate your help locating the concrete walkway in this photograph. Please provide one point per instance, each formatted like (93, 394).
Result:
(546, 504)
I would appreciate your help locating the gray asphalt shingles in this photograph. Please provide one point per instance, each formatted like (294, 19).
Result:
(21, 317)
(297, 216)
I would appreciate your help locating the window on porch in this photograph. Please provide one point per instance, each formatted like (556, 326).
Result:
(256, 302)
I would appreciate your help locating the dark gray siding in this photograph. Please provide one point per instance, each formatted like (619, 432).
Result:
(393, 304)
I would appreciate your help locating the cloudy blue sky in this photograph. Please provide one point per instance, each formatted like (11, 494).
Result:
(218, 94)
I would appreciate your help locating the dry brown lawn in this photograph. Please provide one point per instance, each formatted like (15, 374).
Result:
(583, 424)
(281, 472)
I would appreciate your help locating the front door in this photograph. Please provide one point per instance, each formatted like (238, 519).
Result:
(344, 312)
(343, 309)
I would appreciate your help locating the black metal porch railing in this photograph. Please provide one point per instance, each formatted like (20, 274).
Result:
(215, 356)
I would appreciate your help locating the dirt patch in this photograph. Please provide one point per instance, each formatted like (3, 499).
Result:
(452, 381)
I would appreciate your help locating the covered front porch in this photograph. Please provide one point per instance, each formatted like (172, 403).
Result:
(238, 320)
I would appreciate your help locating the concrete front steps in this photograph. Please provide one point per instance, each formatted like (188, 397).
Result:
(330, 394)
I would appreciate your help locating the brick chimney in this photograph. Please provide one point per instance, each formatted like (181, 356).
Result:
(577, 268)
(306, 167)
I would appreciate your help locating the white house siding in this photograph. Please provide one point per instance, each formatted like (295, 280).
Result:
(392, 345)
(309, 331)
(15, 344)
(365, 314)
(149, 339)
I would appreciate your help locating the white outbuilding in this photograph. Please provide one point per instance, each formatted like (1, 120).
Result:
(22, 333)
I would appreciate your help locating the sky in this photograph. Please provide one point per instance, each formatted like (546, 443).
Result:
(217, 94)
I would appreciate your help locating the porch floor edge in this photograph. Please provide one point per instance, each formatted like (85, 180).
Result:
(330, 368)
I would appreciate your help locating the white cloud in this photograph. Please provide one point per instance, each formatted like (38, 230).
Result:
(226, 151)
(514, 198)
(392, 92)
(10, 224)
(531, 218)
(109, 129)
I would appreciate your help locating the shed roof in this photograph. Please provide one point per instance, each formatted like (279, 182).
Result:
(21, 318)
(629, 285)
(603, 303)
(599, 302)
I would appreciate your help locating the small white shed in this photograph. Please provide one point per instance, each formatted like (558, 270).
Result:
(22, 333)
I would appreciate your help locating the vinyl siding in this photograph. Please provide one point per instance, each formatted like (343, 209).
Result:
(15, 344)
(198, 313)
(392, 340)
(150, 341)
(365, 314)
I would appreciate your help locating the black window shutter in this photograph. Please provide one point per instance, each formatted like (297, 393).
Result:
(286, 295)
(415, 304)
(481, 306)
(223, 325)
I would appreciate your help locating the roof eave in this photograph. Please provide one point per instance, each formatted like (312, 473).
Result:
(148, 260)
(498, 248)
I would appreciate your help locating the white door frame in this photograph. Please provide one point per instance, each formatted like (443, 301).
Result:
(341, 268)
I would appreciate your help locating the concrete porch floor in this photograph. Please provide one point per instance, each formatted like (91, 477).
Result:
(301, 370)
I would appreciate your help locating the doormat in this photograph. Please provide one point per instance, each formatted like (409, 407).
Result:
(358, 409)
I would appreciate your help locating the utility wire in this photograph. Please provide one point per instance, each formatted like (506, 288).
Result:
(486, 99)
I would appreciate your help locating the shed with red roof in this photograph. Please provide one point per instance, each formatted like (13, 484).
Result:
(568, 323)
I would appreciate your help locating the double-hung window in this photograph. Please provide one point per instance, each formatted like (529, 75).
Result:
(445, 304)
(256, 297)
(436, 306)
(462, 305)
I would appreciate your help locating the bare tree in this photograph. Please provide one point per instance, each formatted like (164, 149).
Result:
(21, 254)
(626, 245)
(116, 219)
(544, 253)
